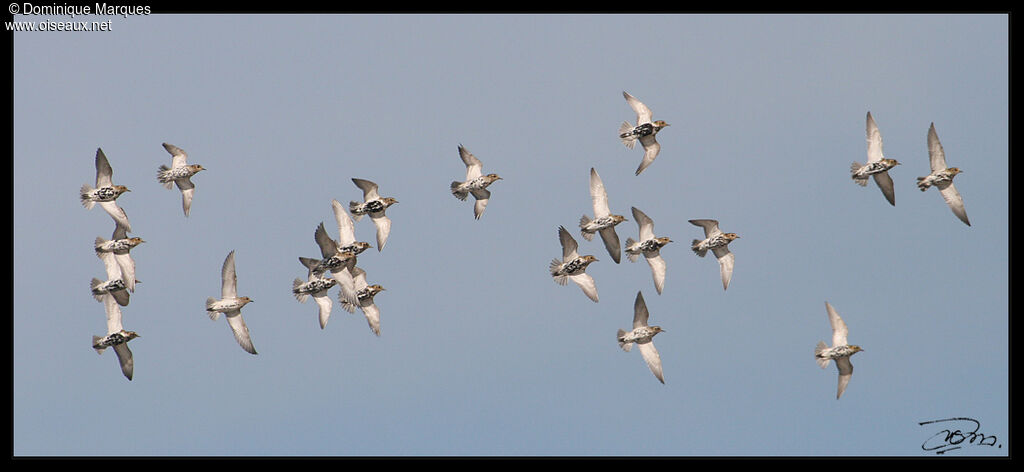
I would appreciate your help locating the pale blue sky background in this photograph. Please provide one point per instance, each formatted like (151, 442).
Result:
(481, 353)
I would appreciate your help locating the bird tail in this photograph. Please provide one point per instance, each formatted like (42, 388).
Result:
(301, 297)
(84, 195)
(92, 287)
(822, 361)
(695, 246)
(346, 305)
(922, 184)
(860, 180)
(553, 267)
(628, 138)
(209, 305)
(621, 337)
(633, 256)
(583, 223)
(352, 208)
(461, 195)
(162, 177)
(96, 345)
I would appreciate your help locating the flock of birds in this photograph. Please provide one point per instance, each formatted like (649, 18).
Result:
(339, 257)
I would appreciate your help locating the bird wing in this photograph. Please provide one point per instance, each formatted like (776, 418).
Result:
(653, 360)
(726, 261)
(884, 182)
(349, 287)
(473, 165)
(328, 247)
(383, 229)
(569, 244)
(645, 223)
(936, 156)
(643, 114)
(640, 313)
(482, 196)
(228, 279)
(839, 329)
(372, 314)
(954, 200)
(369, 189)
(346, 228)
(586, 282)
(359, 278)
(658, 269)
(599, 195)
(845, 372)
(710, 227)
(874, 138)
(324, 302)
(178, 156)
(120, 231)
(127, 267)
(110, 265)
(113, 314)
(240, 330)
(124, 357)
(117, 213)
(651, 150)
(104, 173)
(187, 190)
(611, 243)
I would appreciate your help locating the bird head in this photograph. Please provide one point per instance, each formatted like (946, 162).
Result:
(388, 201)
(618, 219)
(731, 236)
(663, 241)
(657, 329)
(493, 177)
(129, 335)
(660, 124)
(954, 170)
(855, 348)
(121, 189)
(891, 162)
(375, 289)
(196, 167)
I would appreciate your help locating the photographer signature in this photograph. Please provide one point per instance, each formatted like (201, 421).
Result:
(955, 436)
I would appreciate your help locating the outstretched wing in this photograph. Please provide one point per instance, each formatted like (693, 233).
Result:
(954, 200)
(228, 279)
(839, 329)
(643, 114)
(936, 156)
(598, 195)
(473, 165)
(369, 189)
(178, 156)
(710, 227)
(874, 138)
(652, 358)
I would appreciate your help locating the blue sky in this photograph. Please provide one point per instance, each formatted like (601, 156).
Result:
(481, 354)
